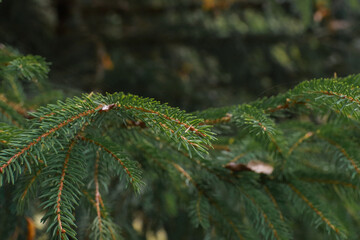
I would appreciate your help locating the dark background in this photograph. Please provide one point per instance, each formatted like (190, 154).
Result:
(193, 54)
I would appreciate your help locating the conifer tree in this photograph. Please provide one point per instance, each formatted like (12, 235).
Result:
(93, 163)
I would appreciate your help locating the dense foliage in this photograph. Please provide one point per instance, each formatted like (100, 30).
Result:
(284, 167)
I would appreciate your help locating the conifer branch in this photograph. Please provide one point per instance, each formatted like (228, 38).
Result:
(31, 182)
(187, 126)
(265, 216)
(198, 208)
(233, 226)
(337, 94)
(227, 118)
(275, 143)
(194, 160)
(258, 124)
(182, 137)
(212, 202)
(122, 123)
(46, 134)
(61, 186)
(332, 182)
(289, 104)
(9, 117)
(343, 151)
(184, 173)
(48, 115)
(88, 197)
(299, 141)
(132, 180)
(103, 214)
(229, 221)
(274, 202)
(97, 192)
(235, 158)
(15, 106)
(317, 211)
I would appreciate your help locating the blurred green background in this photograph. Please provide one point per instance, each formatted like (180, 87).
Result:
(193, 54)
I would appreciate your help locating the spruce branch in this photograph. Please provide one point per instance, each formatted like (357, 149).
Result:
(344, 152)
(259, 125)
(262, 208)
(331, 226)
(221, 120)
(97, 192)
(133, 178)
(9, 115)
(29, 187)
(95, 138)
(268, 192)
(31, 68)
(61, 186)
(299, 141)
(330, 181)
(15, 106)
(60, 191)
(202, 215)
(229, 220)
(44, 135)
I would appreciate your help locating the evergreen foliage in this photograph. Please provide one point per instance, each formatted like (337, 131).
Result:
(252, 171)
